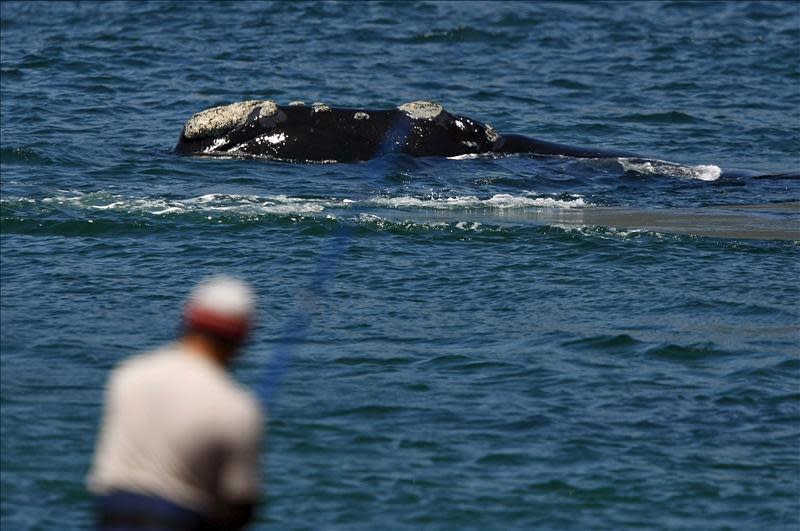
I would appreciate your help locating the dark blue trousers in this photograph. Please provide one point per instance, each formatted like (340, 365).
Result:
(128, 511)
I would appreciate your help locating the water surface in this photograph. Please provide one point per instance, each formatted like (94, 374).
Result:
(504, 342)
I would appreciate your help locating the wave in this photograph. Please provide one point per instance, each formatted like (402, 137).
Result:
(568, 215)
(283, 204)
(497, 201)
(159, 206)
(702, 172)
(105, 212)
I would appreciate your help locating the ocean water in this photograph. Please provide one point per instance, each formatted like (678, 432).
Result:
(481, 354)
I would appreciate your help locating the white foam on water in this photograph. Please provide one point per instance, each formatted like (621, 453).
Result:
(468, 225)
(498, 201)
(510, 201)
(384, 223)
(702, 172)
(168, 210)
(207, 198)
(11, 200)
(607, 233)
(214, 205)
(109, 206)
(221, 203)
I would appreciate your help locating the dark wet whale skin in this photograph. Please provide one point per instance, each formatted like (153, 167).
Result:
(317, 133)
(307, 133)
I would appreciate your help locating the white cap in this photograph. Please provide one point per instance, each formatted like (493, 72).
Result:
(221, 305)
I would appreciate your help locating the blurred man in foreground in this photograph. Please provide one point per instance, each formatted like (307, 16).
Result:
(180, 441)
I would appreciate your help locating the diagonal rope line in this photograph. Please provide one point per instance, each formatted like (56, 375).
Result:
(296, 327)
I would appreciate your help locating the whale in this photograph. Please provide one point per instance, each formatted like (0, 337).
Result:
(318, 133)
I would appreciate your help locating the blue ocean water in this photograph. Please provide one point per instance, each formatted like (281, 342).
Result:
(468, 366)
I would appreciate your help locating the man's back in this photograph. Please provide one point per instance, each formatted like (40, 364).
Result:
(177, 427)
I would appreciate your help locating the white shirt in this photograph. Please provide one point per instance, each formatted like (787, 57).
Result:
(177, 426)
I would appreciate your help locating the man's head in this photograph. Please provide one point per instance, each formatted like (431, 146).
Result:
(220, 310)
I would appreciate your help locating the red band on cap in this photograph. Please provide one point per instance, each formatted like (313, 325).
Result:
(229, 327)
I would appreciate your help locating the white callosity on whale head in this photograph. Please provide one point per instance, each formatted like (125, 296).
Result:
(216, 144)
(318, 106)
(361, 116)
(216, 120)
(422, 110)
(491, 134)
(269, 109)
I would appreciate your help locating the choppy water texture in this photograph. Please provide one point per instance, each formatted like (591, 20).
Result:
(487, 354)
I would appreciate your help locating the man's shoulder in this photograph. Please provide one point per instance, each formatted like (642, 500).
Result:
(159, 368)
(144, 361)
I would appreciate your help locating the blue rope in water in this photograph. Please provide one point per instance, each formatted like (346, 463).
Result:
(297, 326)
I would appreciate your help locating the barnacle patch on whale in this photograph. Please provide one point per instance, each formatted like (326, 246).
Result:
(491, 135)
(422, 110)
(212, 122)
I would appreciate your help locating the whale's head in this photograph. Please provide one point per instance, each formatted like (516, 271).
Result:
(221, 128)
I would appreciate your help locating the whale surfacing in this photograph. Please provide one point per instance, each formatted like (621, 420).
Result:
(319, 133)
